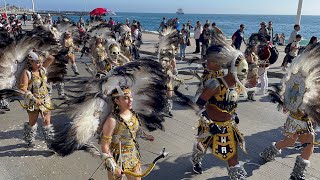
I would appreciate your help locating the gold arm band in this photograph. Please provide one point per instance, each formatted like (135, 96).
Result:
(106, 139)
(23, 86)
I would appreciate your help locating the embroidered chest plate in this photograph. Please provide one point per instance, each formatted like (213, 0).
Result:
(293, 95)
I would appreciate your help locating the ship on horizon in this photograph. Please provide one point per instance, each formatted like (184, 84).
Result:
(180, 11)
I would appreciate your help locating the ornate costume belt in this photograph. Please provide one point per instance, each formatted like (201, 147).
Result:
(297, 126)
(224, 145)
(124, 149)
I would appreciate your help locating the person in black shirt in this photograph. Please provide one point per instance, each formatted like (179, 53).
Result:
(206, 39)
(238, 37)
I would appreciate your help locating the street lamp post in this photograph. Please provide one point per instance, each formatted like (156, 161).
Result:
(298, 17)
(5, 9)
(33, 5)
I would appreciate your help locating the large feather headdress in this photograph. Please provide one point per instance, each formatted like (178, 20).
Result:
(168, 43)
(113, 43)
(123, 30)
(221, 53)
(90, 109)
(301, 84)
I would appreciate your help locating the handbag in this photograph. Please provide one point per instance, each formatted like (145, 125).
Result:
(188, 42)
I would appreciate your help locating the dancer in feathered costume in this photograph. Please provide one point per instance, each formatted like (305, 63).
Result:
(166, 50)
(299, 96)
(107, 58)
(33, 82)
(125, 39)
(252, 78)
(69, 47)
(91, 109)
(119, 136)
(12, 55)
(218, 125)
(33, 77)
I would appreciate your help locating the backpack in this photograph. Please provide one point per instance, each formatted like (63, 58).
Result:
(201, 38)
(274, 55)
(233, 36)
(139, 38)
(287, 48)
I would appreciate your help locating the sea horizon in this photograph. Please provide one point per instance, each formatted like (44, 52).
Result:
(185, 13)
(228, 23)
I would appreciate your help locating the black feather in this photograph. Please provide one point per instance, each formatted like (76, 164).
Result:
(11, 94)
(184, 98)
(65, 145)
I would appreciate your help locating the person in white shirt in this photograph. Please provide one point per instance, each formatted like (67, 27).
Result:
(197, 32)
(263, 30)
(294, 49)
(136, 41)
(294, 33)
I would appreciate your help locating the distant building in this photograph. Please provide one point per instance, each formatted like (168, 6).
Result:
(12, 9)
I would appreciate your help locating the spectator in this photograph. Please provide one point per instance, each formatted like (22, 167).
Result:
(206, 39)
(270, 29)
(111, 22)
(136, 41)
(215, 29)
(162, 24)
(58, 20)
(294, 48)
(238, 37)
(81, 21)
(264, 31)
(139, 26)
(197, 32)
(275, 39)
(252, 77)
(311, 43)
(294, 33)
(176, 25)
(91, 18)
(134, 21)
(189, 27)
(207, 22)
(184, 28)
(128, 22)
(282, 39)
(183, 43)
(24, 17)
(263, 70)
(49, 19)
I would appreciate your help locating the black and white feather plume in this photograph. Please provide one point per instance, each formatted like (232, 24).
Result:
(301, 85)
(168, 37)
(102, 30)
(222, 53)
(12, 58)
(90, 109)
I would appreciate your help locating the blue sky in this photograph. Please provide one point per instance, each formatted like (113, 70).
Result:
(286, 7)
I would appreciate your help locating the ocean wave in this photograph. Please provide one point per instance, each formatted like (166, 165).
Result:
(151, 32)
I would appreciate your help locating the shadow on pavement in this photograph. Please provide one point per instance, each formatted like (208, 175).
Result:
(251, 161)
(25, 153)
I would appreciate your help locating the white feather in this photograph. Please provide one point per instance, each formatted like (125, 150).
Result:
(87, 119)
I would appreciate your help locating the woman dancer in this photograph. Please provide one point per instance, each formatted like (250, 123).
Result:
(33, 82)
(120, 130)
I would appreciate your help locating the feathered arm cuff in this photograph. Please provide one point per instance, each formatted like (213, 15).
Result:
(276, 98)
(110, 163)
(29, 96)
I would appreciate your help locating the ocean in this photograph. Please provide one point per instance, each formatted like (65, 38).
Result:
(228, 23)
